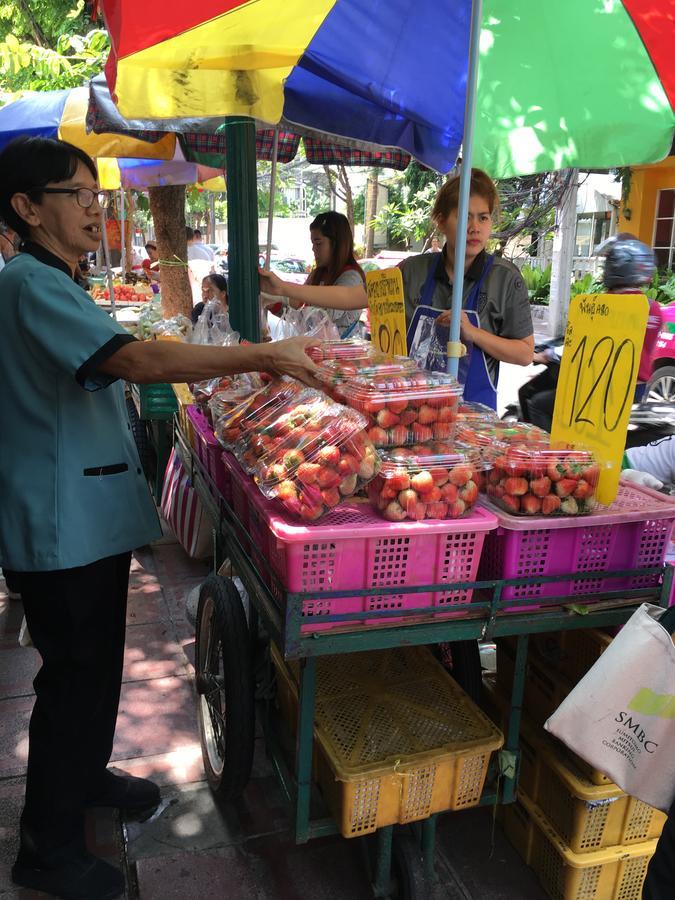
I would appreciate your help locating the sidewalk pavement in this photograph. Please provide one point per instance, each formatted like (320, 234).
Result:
(196, 850)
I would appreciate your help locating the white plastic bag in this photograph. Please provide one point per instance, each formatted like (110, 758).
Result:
(620, 717)
(309, 321)
(213, 326)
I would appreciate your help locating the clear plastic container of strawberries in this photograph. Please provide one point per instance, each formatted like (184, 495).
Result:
(436, 480)
(538, 480)
(469, 411)
(485, 433)
(323, 459)
(407, 408)
(351, 348)
(256, 410)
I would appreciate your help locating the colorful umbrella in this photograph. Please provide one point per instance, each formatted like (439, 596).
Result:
(62, 114)
(587, 83)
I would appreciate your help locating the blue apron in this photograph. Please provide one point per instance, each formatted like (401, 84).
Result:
(473, 369)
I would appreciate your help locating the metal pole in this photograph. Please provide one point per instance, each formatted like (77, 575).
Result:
(273, 192)
(465, 181)
(106, 256)
(242, 228)
(123, 240)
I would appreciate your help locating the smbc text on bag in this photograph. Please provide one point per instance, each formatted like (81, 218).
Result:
(620, 717)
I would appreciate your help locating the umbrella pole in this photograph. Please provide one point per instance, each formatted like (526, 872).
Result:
(108, 268)
(123, 236)
(465, 183)
(273, 193)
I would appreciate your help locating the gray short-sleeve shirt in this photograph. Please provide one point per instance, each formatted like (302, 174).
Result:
(503, 304)
(346, 319)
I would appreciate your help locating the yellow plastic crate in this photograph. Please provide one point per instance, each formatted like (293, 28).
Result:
(571, 652)
(184, 399)
(396, 738)
(614, 873)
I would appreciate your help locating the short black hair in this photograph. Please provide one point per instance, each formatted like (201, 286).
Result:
(28, 164)
(197, 232)
(189, 233)
(218, 280)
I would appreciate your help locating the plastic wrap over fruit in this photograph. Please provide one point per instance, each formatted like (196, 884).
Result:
(409, 408)
(255, 410)
(351, 348)
(538, 480)
(432, 481)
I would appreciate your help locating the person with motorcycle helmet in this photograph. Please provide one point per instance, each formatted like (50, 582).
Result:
(629, 268)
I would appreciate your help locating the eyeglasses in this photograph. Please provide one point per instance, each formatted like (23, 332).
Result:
(85, 196)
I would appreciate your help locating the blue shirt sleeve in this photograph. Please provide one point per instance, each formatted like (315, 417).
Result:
(66, 329)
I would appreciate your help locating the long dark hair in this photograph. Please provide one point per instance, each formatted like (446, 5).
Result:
(335, 227)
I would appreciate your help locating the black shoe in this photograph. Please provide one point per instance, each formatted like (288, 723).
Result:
(83, 877)
(124, 792)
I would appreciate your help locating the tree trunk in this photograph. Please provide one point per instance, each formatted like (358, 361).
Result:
(167, 205)
(347, 194)
(371, 211)
(561, 263)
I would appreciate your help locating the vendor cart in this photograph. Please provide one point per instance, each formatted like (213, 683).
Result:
(151, 408)
(233, 668)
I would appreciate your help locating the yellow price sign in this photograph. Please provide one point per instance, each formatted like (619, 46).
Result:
(387, 311)
(598, 373)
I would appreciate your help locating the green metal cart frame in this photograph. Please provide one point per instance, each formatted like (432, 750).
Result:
(156, 406)
(485, 619)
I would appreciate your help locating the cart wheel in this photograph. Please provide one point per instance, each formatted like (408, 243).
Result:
(224, 681)
(408, 868)
(140, 432)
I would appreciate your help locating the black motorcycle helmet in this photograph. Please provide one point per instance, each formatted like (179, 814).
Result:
(628, 263)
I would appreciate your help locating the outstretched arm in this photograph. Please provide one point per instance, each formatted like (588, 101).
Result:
(335, 296)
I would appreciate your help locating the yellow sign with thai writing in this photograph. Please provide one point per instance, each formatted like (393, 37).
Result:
(387, 311)
(595, 391)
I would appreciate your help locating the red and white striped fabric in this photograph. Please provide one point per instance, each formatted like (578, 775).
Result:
(183, 511)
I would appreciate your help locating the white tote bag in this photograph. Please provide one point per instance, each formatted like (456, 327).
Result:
(620, 717)
(183, 512)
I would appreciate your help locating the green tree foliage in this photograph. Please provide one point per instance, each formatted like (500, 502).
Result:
(48, 45)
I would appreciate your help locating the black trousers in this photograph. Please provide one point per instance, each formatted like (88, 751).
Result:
(660, 881)
(76, 618)
(537, 397)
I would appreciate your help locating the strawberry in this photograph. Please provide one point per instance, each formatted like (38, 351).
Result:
(437, 510)
(399, 480)
(387, 419)
(516, 486)
(367, 468)
(287, 491)
(583, 490)
(569, 506)
(442, 431)
(459, 475)
(394, 512)
(293, 505)
(440, 476)
(407, 499)
(308, 473)
(553, 471)
(373, 405)
(293, 458)
(408, 417)
(494, 476)
(511, 503)
(348, 464)
(421, 433)
(591, 474)
(530, 505)
(331, 496)
(550, 505)
(427, 415)
(348, 485)
(565, 487)
(310, 513)
(329, 455)
(328, 478)
(397, 406)
(447, 414)
(275, 472)
(469, 493)
(398, 435)
(449, 492)
(432, 496)
(422, 481)
(495, 490)
(417, 512)
(378, 436)
(456, 509)
(540, 487)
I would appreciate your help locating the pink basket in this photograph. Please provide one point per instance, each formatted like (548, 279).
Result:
(241, 490)
(633, 533)
(352, 548)
(209, 451)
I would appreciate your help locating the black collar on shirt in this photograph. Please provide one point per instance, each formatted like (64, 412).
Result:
(474, 272)
(37, 251)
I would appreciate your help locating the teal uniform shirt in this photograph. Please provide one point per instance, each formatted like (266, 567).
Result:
(72, 490)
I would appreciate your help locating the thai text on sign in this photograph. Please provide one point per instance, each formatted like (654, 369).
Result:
(387, 311)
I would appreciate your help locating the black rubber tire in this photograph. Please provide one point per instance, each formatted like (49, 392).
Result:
(139, 429)
(661, 385)
(408, 868)
(225, 688)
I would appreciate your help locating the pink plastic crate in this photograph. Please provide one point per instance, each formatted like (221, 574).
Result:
(633, 533)
(352, 548)
(209, 451)
(239, 487)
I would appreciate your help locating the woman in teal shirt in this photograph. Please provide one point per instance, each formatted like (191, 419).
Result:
(74, 500)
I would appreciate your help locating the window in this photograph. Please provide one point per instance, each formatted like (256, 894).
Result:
(592, 230)
(664, 229)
